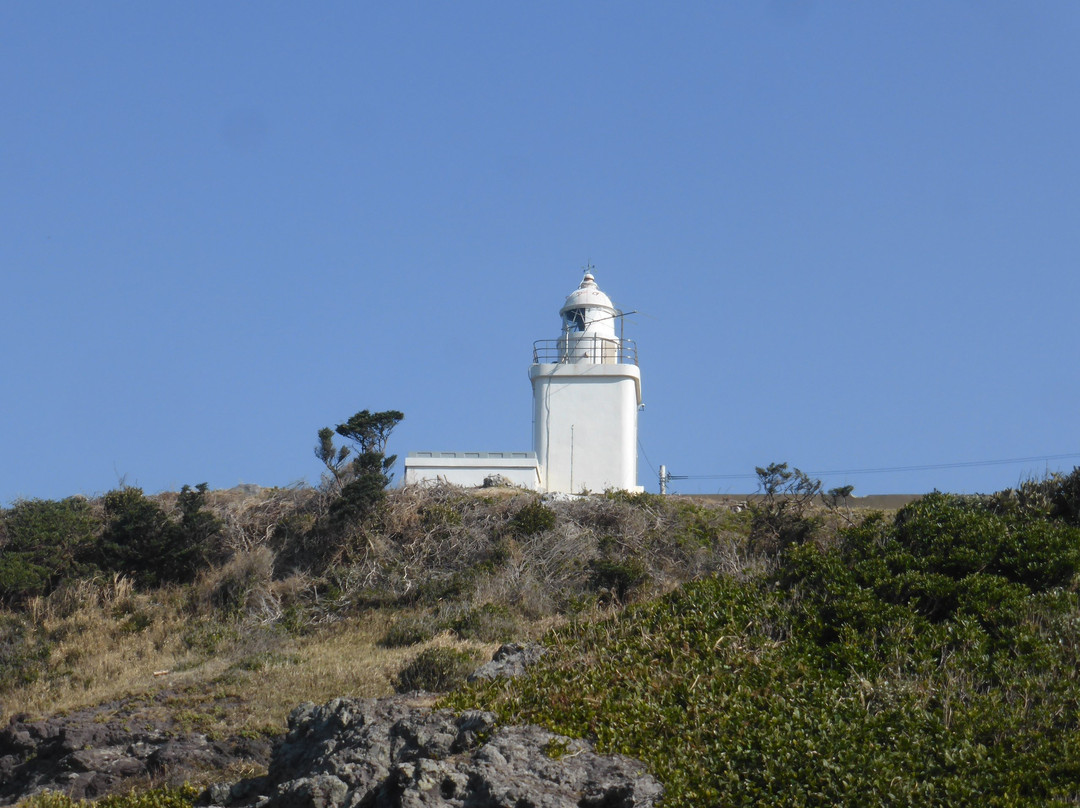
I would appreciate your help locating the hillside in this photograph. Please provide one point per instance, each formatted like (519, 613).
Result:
(795, 652)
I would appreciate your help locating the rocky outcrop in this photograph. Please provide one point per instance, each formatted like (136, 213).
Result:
(509, 661)
(90, 753)
(396, 752)
(349, 753)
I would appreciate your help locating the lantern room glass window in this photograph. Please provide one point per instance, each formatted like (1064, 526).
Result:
(575, 320)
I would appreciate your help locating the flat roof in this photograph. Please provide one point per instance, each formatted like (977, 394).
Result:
(481, 455)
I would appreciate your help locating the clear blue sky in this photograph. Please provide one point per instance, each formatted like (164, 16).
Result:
(851, 231)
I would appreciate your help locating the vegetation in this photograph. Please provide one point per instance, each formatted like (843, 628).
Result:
(364, 487)
(796, 653)
(44, 542)
(165, 797)
(928, 660)
(436, 669)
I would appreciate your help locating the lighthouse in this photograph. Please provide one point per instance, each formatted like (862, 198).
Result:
(586, 388)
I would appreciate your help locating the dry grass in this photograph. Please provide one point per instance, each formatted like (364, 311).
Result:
(112, 646)
(241, 646)
(106, 641)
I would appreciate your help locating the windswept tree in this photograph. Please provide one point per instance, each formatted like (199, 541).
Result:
(780, 516)
(332, 457)
(362, 483)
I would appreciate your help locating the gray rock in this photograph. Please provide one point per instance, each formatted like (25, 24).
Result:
(348, 753)
(320, 791)
(510, 660)
(90, 753)
(395, 753)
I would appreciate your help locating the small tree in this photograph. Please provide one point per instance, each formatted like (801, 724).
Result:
(140, 540)
(781, 517)
(332, 457)
(361, 485)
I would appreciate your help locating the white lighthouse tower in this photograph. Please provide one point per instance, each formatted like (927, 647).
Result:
(586, 396)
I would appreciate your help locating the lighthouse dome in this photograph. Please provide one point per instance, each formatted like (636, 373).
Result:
(587, 295)
(589, 311)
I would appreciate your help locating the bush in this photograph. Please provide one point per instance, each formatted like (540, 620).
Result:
(533, 518)
(781, 516)
(959, 536)
(242, 586)
(617, 578)
(730, 700)
(1065, 497)
(141, 541)
(435, 669)
(44, 542)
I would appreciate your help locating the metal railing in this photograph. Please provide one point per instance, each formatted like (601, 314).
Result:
(585, 350)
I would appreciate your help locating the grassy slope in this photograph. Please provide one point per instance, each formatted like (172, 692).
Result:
(841, 678)
(794, 679)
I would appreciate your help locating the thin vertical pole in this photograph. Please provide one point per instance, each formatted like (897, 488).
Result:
(571, 458)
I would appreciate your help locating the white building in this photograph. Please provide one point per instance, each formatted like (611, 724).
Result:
(586, 396)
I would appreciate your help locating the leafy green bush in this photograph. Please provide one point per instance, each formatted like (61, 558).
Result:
(44, 542)
(1065, 497)
(141, 541)
(533, 518)
(617, 578)
(931, 661)
(939, 541)
(435, 669)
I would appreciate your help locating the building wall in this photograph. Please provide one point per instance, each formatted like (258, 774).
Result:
(469, 469)
(585, 426)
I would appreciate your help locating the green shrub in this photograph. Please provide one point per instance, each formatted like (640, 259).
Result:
(141, 541)
(959, 535)
(729, 700)
(136, 535)
(617, 578)
(21, 578)
(44, 542)
(435, 669)
(1065, 497)
(928, 661)
(533, 518)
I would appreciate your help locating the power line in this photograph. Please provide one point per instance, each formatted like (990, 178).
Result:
(890, 469)
(647, 463)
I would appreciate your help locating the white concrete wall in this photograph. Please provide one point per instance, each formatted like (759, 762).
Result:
(585, 426)
(468, 469)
